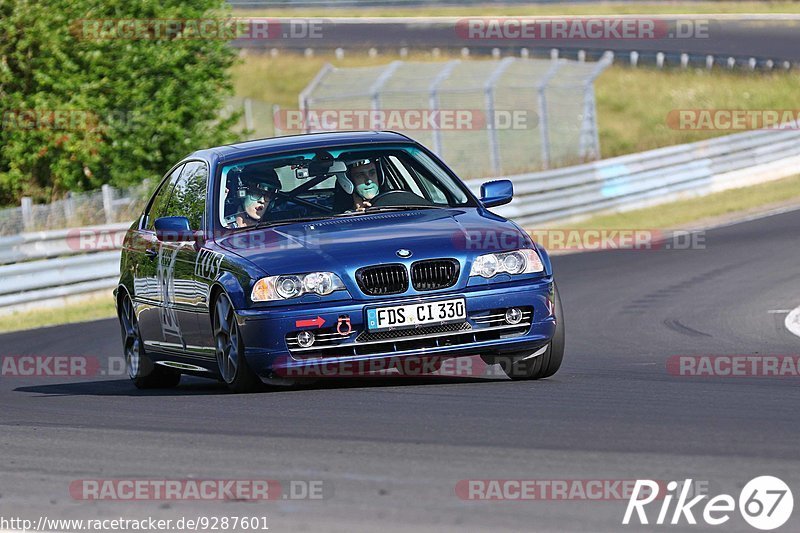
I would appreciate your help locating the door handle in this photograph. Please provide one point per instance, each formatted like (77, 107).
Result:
(149, 252)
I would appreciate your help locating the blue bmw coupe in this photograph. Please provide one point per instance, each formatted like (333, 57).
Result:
(256, 262)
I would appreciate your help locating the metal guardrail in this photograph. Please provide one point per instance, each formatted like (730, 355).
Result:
(44, 265)
(655, 176)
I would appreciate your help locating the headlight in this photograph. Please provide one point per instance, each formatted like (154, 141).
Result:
(294, 285)
(525, 261)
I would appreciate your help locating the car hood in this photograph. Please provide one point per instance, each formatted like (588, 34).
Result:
(345, 244)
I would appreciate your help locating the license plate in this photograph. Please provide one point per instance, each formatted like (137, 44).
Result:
(410, 315)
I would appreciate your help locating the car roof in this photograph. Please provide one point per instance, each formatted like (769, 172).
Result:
(274, 145)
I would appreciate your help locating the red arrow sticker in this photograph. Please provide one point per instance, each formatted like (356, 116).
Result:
(313, 322)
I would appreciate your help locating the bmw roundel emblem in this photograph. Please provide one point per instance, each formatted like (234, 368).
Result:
(402, 252)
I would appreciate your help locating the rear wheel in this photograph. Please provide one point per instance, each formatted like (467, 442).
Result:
(141, 370)
(232, 364)
(528, 365)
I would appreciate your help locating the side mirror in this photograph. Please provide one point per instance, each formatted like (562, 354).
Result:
(174, 229)
(497, 192)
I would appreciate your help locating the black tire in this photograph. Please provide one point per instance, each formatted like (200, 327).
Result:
(519, 366)
(141, 370)
(233, 367)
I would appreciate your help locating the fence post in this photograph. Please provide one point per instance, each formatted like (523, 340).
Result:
(544, 129)
(108, 202)
(248, 117)
(69, 208)
(375, 90)
(304, 97)
(433, 101)
(589, 143)
(27, 213)
(488, 89)
(276, 121)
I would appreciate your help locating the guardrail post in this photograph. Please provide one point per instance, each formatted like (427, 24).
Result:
(108, 202)
(27, 213)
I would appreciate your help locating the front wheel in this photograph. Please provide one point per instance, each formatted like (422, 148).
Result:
(233, 368)
(527, 365)
(141, 370)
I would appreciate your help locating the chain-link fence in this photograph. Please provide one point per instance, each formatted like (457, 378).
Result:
(104, 206)
(483, 117)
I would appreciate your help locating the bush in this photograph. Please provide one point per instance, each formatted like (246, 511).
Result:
(79, 111)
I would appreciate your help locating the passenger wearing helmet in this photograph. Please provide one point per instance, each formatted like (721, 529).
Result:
(366, 177)
(258, 184)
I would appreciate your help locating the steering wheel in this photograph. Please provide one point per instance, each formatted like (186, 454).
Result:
(399, 198)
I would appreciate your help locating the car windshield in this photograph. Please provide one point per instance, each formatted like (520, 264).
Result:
(340, 182)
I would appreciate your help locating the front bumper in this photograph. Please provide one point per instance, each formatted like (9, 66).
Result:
(269, 334)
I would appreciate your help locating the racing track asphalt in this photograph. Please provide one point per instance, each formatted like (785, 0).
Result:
(390, 452)
(740, 36)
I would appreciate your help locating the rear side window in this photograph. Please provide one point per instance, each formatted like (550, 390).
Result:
(160, 204)
(189, 196)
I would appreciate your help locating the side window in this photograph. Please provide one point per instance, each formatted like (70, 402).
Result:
(160, 202)
(189, 198)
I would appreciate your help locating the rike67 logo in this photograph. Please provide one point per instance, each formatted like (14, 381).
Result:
(765, 503)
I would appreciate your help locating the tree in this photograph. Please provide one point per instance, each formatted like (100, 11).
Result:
(87, 101)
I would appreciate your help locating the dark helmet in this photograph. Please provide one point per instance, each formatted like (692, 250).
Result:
(258, 178)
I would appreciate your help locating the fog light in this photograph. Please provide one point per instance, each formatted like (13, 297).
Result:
(514, 315)
(305, 339)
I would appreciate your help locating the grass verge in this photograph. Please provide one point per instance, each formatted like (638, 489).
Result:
(94, 308)
(721, 205)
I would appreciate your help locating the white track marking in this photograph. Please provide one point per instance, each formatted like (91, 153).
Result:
(792, 321)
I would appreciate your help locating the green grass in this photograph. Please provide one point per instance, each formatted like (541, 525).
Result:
(94, 308)
(632, 103)
(607, 8)
(683, 212)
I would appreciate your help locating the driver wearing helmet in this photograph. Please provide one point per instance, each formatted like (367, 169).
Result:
(258, 184)
(366, 179)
